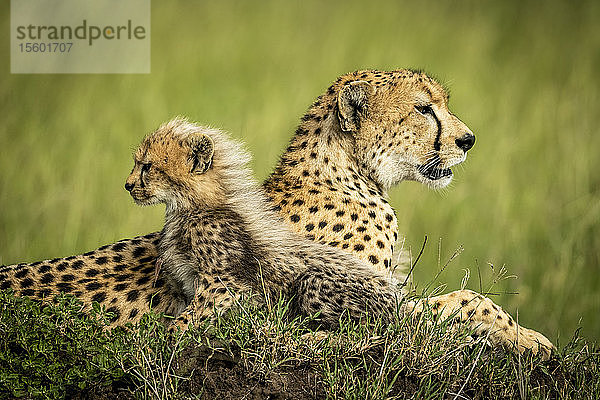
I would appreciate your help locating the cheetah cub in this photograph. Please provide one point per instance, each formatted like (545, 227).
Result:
(222, 239)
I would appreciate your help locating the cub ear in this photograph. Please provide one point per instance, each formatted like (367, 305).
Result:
(202, 149)
(352, 104)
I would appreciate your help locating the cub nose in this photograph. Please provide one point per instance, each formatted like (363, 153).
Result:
(465, 142)
(129, 186)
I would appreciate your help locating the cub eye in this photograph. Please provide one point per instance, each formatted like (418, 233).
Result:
(424, 109)
(146, 167)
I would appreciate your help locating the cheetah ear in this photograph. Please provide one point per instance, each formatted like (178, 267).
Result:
(352, 104)
(201, 155)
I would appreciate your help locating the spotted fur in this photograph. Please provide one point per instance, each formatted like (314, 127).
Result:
(119, 277)
(369, 131)
(222, 238)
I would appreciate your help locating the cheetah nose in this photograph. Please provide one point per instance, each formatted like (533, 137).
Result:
(466, 141)
(129, 186)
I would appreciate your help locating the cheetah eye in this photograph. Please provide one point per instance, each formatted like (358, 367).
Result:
(146, 167)
(424, 109)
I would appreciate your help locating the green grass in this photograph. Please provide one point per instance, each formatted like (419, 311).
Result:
(54, 350)
(523, 75)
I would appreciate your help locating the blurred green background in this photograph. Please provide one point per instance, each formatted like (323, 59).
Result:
(525, 76)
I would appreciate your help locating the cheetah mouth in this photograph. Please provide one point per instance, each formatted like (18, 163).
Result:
(432, 172)
(142, 200)
(431, 168)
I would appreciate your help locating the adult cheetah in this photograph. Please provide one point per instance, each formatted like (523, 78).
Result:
(222, 239)
(369, 130)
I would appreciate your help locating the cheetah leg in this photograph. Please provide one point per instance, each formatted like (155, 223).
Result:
(486, 319)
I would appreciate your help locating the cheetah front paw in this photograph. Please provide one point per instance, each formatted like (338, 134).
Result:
(528, 339)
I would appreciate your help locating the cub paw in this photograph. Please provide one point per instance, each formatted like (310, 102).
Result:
(181, 324)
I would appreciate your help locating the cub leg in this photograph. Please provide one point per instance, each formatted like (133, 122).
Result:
(212, 296)
(333, 291)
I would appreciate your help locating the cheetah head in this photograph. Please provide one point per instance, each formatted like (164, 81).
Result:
(402, 127)
(173, 165)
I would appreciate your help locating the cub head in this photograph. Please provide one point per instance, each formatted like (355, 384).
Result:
(173, 165)
(402, 127)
